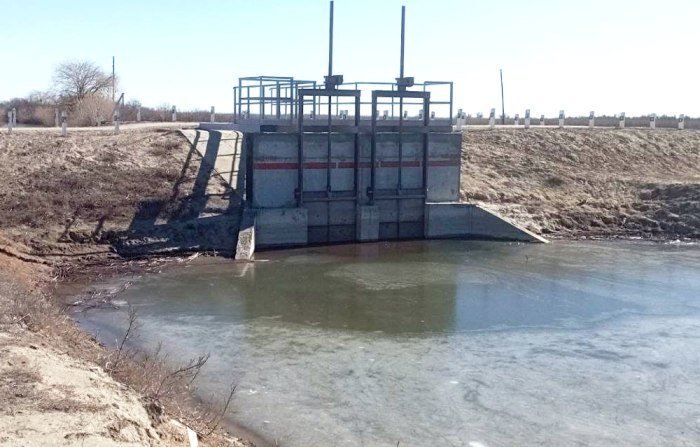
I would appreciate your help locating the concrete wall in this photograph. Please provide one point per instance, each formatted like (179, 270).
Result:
(462, 220)
(281, 227)
(273, 171)
(275, 163)
(275, 179)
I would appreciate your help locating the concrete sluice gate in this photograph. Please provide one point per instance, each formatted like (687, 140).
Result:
(337, 204)
(344, 177)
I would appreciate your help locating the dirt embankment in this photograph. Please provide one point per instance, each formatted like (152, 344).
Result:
(93, 193)
(573, 183)
(65, 203)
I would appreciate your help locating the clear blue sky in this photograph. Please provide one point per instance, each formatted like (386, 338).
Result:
(635, 56)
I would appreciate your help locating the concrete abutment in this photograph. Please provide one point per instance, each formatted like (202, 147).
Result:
(337, 205)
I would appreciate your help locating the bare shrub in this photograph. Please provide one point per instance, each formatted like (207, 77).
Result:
(93, 110)
(167, 388)
(44, 116)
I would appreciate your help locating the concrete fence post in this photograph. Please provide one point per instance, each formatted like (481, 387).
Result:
(516, 120)
(492, 119)
(681, 122)
(56, 118)
(64, 123)
(174, 114)
(591, 120)
(527, 118)
(652, 121)
(541, 120)
(9, 122)
(138, 115)
(14, 117)
(622, 120)
(212, 118)
(562, 117)
(116, 123)
(461, 120)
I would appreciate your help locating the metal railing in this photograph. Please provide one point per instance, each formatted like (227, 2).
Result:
(274, 99)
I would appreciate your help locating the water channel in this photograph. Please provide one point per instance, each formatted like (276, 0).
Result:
(440, 343)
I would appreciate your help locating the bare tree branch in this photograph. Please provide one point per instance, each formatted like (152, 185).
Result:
(75, 81)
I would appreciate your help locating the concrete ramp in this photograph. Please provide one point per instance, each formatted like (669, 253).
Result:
(222, 149)
(465, 220)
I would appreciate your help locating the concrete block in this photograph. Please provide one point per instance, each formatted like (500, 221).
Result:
(281, 227)
(462, 220)
(445, 151)
(245, 247)
(367, 223)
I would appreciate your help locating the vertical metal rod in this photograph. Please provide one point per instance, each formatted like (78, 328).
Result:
(451, 97)
(403, 35)
(503, 102)
(240, 98)
(248, 103)
(426, 145)
(328, 153)
(357, 150)
(328, 160)
(262, 100)
(403, 41)
(373, 154)
(300, 154)
(279, 98)
(235, 105)
(330, 44)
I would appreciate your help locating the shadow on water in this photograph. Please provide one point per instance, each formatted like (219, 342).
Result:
(204, 218)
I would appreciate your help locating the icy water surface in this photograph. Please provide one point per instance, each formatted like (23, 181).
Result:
(442, 343)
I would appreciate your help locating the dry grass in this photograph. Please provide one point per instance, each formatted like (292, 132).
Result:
(81, 189)
(576, 182)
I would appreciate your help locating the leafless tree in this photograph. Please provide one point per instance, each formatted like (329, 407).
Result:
(74, 81)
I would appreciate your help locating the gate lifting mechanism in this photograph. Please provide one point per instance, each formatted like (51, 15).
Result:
(331, 90)
(401, 93)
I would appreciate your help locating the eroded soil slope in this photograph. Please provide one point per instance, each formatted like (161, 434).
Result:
(588, 183)
(84, 193)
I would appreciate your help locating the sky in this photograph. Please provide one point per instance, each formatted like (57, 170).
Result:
(632, 56)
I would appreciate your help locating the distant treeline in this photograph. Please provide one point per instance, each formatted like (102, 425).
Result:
(32, 112)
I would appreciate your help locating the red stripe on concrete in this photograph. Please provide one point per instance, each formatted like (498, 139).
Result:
(318, 165)
(281, 166)
(439, 163)
(272, 166)
(405, 164)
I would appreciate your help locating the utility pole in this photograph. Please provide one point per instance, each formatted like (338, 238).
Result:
(113, 84)
(503, 102)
